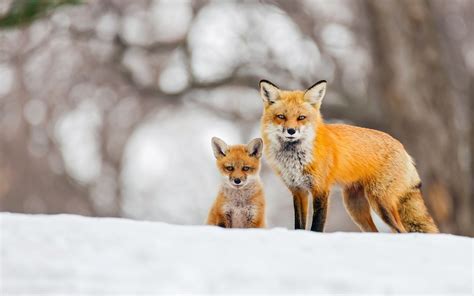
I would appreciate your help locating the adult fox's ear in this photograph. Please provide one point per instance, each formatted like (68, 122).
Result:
(315, 94)
(269, 92)
(219, 147)
(255, 147)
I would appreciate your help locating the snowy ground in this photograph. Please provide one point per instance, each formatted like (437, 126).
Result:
(77, 255)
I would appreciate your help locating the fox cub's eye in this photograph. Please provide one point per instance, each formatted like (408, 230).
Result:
(245, 168)
(301, 117)
(229, 168)
(281, 116)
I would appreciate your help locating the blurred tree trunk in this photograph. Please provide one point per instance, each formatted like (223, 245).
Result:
(471, 148)
(414, 91)
(27, 187)
(27, 184)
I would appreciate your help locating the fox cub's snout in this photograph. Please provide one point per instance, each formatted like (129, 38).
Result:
(239, 164)
(240, 202)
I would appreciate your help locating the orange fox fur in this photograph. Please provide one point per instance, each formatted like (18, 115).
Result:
(240, 202)
(310, 156)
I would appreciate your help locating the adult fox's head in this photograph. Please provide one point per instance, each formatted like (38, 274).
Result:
(238, 164)
(291, 116)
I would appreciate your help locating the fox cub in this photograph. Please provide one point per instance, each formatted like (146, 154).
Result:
(240, 202)
(310, 156)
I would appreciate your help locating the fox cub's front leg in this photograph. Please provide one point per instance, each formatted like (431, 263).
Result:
(227, 219)
(257, 221)
(219, 219)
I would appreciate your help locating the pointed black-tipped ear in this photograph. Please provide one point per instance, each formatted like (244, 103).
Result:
(255, 147)
(269, 92)
(315, 94)
(219, 147)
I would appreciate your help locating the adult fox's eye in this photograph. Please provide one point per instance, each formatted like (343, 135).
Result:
(245, 168)
(229, 168)
(301, 117)
(281, 116)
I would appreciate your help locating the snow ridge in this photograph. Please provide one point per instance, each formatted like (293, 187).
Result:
(79, 255)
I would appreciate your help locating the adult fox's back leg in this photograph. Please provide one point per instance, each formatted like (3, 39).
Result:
(358, 207)
(387, 209)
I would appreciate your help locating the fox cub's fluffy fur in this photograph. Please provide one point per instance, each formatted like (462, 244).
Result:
(240, 202)
(310, 156)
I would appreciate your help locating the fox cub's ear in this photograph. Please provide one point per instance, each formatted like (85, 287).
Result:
(269, 92)
(255, 147)
(315, 94)
(219, 147)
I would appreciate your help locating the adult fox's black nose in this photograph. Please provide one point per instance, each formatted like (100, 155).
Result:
(237, 181)
(291, 131)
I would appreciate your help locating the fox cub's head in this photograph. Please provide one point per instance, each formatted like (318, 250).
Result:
(291, 116)
(238, 164)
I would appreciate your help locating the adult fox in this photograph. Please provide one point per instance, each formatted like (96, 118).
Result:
(310, 156)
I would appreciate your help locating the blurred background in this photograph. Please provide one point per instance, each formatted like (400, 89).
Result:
(107, 107)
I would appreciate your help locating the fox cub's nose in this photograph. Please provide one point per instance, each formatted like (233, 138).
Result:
(291, 131)
(237, 181)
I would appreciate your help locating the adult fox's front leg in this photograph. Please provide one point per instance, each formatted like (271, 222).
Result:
(300, 204)
(320, 209)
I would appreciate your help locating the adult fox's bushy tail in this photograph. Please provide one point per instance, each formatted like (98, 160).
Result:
(414, 214)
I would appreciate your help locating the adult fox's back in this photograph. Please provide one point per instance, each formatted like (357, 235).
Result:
(360, 153)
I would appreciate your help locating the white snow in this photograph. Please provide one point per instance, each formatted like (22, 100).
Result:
(68, 255)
